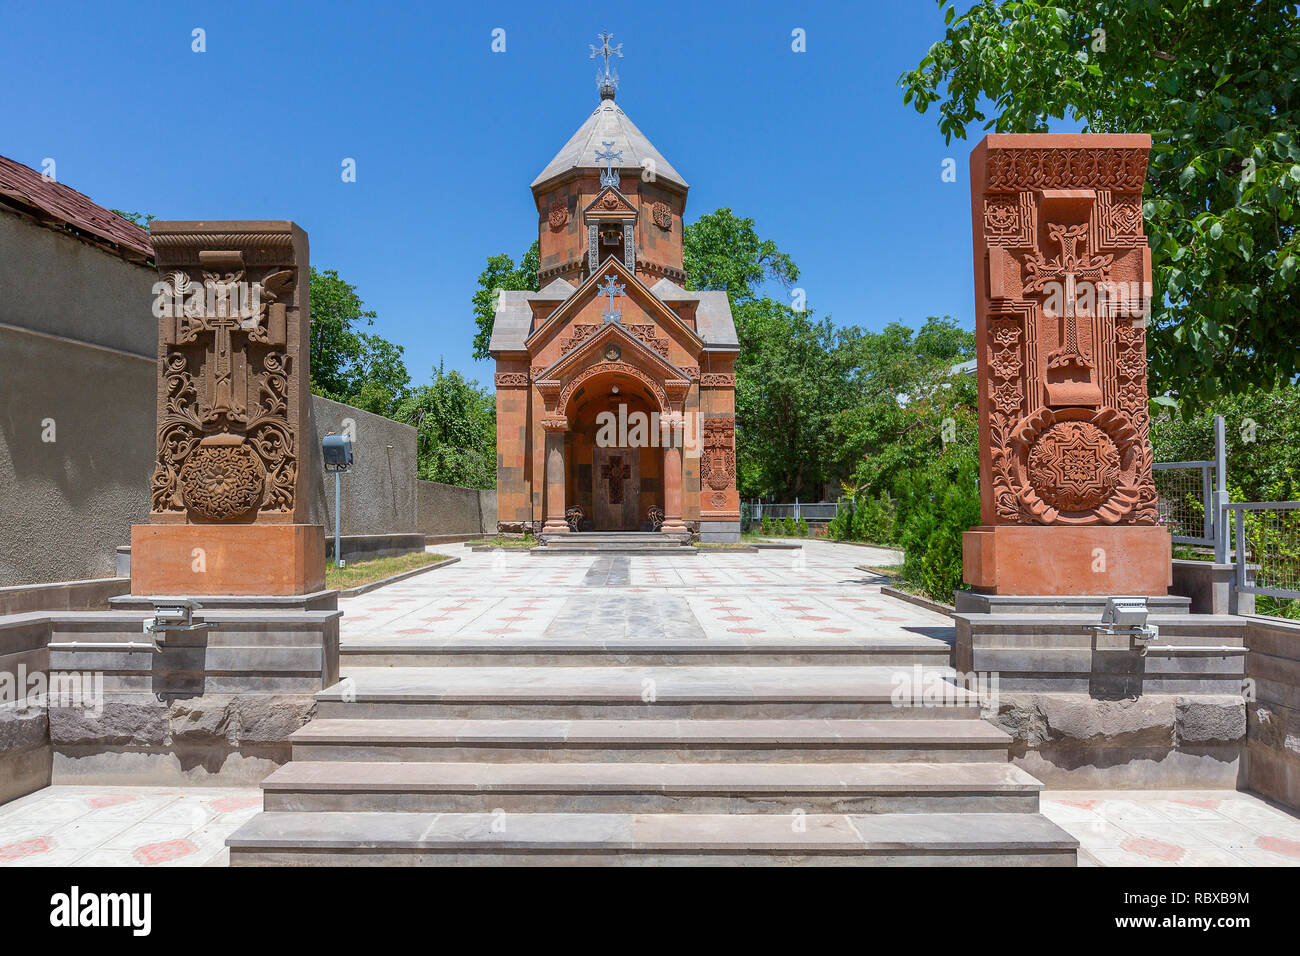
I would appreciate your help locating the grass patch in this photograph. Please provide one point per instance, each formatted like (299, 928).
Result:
(723, 546)
(527, 541)
(364, 572)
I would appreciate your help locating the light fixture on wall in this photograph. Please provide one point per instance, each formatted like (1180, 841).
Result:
(1127, 615)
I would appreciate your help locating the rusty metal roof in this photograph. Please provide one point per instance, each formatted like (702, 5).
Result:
(55, 204)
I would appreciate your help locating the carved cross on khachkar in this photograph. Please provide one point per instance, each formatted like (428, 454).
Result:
(609, 82)
(225, 305)
(614, 472)
(1070, 266)
(609, 176)
(611, 289)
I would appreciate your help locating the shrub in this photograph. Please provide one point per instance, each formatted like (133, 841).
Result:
(935, 507)
(787, 526)
(801, 528)
(765, 524)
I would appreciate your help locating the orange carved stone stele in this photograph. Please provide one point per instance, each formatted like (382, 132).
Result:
(233, 413)
(1062, 289)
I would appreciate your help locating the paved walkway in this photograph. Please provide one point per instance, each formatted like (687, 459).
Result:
(816, 593)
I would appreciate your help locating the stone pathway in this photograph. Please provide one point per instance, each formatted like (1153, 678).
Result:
(1175, 827)
(124, 826)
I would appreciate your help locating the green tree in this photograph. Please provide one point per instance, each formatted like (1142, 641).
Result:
(1215, 84)
(500, 274)
(348, 365)
(723, 252)
(456, 430)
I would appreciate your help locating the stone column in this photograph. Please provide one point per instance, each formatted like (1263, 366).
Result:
(555, 429)
(673, 523)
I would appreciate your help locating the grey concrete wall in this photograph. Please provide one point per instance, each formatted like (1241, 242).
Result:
(1273, 730)
(379, 491)
(77, 347)
(452, 510)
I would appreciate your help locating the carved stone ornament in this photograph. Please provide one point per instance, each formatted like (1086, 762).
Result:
(662, 215)
(222, 478)
(1062, 274)
(511, 379)
(718, 454)
(558, 214)
(232, 391)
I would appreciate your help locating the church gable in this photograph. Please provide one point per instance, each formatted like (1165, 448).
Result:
(638, 310)
(610, 203)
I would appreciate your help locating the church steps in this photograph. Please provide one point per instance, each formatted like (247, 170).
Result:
(631, 787)
(548, 651)
(652, 740)
(620, 691)
(649, 739)
(590, 839)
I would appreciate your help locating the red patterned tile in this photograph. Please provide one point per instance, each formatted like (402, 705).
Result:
(109, 800)
(1153, 849)
(16, 851)
(154, 853)
(226, 804)
(1279, 845)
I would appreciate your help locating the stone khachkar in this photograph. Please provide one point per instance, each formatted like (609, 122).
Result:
(229, 508)
(1062, 283)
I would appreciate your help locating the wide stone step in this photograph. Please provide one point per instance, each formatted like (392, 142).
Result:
(581, 650)
(615, 549)
(630, 787)
(651, 740)
(570, 693)
(483, 839)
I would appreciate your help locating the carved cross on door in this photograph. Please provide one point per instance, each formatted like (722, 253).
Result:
(615, 472)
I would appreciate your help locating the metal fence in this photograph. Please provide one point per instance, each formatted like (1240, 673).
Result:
(1185, 495)
(1266, 536)
(753, 512)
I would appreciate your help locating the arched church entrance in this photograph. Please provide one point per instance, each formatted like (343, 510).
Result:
(615, 475)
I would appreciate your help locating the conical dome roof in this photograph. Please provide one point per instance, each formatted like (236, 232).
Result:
(608, 123)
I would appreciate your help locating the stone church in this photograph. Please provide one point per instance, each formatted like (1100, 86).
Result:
(615, 386)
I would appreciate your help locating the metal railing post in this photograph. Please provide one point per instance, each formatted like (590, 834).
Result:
(1221, 493)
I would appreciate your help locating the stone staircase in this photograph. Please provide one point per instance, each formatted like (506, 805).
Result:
(698, 751)
(614, 542)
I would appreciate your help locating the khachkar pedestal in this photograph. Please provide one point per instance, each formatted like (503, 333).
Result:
(1062, 280)
(229, 507)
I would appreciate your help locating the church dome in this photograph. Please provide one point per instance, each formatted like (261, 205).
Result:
(608, 123)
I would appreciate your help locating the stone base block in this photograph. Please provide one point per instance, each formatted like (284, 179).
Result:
(252, 559)
(722, 532)
(1078, 559)
(1158, 741)
(136, 739)
(1193, 654)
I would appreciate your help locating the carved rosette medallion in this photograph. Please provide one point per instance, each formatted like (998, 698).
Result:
(558, 215)
(222, 479)
(1074, 466)
(1078, 466)
(661, 215)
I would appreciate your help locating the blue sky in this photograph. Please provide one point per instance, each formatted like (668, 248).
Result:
(816, 147)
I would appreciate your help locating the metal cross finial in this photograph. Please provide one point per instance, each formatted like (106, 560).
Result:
(606, 50)
(611, 289)
(609, 177)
